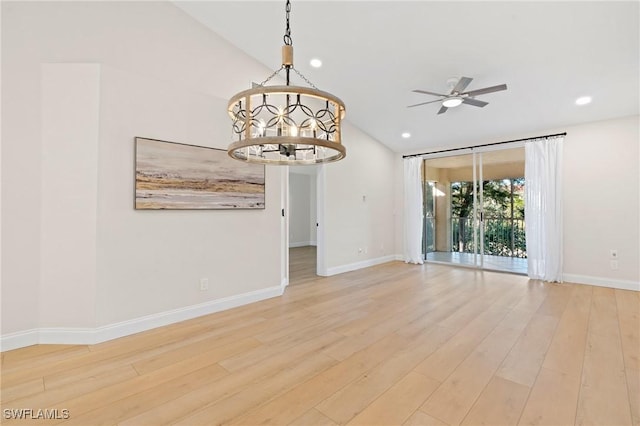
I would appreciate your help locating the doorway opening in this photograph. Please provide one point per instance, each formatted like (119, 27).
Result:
(474, 210)
(303, 224)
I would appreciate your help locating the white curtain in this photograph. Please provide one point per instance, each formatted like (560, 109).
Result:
(413, 210)
(543, 208)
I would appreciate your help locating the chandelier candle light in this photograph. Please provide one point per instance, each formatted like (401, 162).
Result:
(287, 125)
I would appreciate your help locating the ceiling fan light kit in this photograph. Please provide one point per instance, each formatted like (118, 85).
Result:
(452, 102)
(458, 96)
(286, 125)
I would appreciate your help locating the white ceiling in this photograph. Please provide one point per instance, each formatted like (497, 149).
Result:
(375, 52)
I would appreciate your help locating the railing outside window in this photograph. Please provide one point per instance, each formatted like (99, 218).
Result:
(502, 236)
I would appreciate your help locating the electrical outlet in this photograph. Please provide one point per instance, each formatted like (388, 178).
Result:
(613, 253)
(204, 284)
(614, 264)
(366, 250)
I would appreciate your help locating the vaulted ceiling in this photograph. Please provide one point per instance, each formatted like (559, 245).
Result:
(375, 53)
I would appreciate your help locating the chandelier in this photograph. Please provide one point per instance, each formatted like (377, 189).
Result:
(288, 125)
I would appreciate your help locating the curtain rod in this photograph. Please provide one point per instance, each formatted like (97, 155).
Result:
(486, 144)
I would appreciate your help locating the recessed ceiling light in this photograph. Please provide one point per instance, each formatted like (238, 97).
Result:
(583, 100)
(406, 135)
(315, 62)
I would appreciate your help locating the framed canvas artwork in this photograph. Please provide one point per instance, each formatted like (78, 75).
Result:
(175, 176)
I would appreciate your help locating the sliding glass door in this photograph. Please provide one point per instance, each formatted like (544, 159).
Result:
(429, 217)
(474, 210)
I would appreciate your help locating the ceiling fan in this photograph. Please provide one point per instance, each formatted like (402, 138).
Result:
(458, 96)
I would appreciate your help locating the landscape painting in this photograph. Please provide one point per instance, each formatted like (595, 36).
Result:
(176, 176)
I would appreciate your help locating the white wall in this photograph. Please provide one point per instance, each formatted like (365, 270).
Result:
(86, 266)
(299, 210)
(359, 205)
(601, 200)
(70, 129)
(152, 261)
(150, 70)
(313, 209)
(156, 73)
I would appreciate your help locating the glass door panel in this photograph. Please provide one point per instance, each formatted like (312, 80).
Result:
(504, 245)
(450, 213)
(429, 217)
(474, 210)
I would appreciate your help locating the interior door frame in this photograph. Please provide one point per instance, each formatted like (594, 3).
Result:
(321, 267)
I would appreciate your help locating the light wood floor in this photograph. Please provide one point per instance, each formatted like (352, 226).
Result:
(392, 344)
(302, 265)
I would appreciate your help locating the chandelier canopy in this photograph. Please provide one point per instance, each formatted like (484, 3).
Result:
(288, 125)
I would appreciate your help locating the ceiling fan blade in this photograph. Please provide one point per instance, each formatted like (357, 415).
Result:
(462, 84)
(442, 110)
(487, 90)
(429, 93)
(474, 102)
(425, 103)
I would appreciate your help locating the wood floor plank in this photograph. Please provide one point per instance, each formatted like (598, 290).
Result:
(64, 396)
(346, 403)
(190, 402)
(220, 351)
(21, 390)
(445, 360)
(385, 311)
(500, 403)
(628, 304)
(604, 397)
(420, 418)
(138, 402)
(347, 347)
(352, 345)
(453, 307)
(397, 404)
(553, 399)
(556, 301)
(124, 352)
(34, 369)
(457, 394)
(101, 363)
(333, 318)
(300, 399)
(633, 386)
(225, 410)
(113, 389)
(525, 359)
(313, 417)
(302, 265)
(32, 354)
(339, 302)
(566, 351)
(294, 338)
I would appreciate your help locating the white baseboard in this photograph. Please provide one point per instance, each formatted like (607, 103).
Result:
(602, 282)
(359, 265)
(90, 336)
(18, 340)
(302, 244)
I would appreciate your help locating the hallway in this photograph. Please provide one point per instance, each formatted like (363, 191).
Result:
(302, 264)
